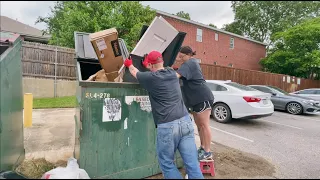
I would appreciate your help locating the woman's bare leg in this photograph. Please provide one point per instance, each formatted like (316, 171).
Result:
(203, 122)
(199, 132)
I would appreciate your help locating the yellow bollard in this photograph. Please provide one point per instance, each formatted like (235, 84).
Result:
(27, 104)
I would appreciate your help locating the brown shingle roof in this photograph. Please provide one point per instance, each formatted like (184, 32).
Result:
(11, 25)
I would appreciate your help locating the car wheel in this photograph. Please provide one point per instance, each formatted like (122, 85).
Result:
(221, 113)
(294, 108)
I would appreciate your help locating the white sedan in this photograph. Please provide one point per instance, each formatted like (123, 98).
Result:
(233, 100)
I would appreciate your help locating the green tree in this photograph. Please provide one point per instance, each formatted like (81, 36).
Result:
(183, 14)
(296, 51)
(212, 25)
(92, 16)
(260, 19)
(233, 27)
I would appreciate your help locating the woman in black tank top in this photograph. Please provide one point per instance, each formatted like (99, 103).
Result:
(198, 97)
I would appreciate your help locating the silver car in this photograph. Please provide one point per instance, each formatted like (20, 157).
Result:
(313, 93)
(288, 102)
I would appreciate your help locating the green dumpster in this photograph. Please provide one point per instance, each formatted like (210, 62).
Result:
(115, 131)
(11, 102)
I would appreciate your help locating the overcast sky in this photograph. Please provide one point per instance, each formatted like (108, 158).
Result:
(206, 12)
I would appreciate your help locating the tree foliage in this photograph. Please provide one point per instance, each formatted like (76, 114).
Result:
(212, 25)
(233, 27)
(92, 16)
(296, 51)
(259, 20)
(183, 14)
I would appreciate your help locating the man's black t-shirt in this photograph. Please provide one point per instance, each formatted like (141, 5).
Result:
(164, 94)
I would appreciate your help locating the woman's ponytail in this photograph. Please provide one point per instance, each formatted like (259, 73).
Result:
(187, 50)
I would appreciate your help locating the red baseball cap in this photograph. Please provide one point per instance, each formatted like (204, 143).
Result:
(154, 57)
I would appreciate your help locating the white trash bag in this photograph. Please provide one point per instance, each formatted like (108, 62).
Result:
(72, 171)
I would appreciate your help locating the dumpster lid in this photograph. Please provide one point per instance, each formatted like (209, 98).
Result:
(83, 46)
(8, 38)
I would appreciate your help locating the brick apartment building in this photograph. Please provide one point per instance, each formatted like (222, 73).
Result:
(218, 47)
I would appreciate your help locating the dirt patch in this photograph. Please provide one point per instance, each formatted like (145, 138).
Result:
(231, 163)
(35, 168)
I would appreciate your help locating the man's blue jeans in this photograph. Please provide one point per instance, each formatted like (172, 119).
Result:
(178, 134)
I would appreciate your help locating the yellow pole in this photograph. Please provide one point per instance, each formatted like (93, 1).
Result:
(28, 101)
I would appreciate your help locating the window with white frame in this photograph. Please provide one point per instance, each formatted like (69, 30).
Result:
(230, 65)
(199, 35)
(216, 36)
(231, 43)
(215, 63)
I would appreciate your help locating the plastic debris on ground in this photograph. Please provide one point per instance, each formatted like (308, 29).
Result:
(72, 171)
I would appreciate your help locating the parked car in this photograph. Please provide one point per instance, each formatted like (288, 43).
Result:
(233, 100)
(293, 104)
(313, 93)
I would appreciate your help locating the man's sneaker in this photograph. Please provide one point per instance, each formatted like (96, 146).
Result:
(205, 156)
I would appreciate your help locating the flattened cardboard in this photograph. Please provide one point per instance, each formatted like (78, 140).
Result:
(112, 75)
(98, 76)
(120, 76)
(107, 48)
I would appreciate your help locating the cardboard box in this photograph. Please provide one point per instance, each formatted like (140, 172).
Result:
(107, 48)
(98, 76)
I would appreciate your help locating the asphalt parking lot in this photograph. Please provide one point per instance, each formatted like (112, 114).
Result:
(290, 142)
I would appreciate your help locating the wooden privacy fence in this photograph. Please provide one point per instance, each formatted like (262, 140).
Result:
(250, 77)
(46, 61)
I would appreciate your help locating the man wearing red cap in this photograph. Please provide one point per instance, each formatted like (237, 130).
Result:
(172, 120)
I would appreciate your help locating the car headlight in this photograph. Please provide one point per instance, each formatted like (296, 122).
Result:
(308, 102)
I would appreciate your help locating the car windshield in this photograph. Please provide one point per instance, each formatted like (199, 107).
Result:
(278, 90)
(241, 87)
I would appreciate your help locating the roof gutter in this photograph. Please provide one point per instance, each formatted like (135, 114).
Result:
(36, 38)
(29, 37)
